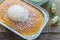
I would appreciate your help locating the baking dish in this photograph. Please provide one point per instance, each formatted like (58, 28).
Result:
(46, 16)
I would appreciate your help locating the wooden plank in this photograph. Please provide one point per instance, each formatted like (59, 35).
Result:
(57, 27)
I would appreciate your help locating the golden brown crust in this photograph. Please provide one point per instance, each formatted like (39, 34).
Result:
(27, 28)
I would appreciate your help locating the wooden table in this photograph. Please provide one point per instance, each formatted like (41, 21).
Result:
(52, 32)
(49, 32)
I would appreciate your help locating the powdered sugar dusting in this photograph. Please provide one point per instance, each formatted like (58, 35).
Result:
(27, 24)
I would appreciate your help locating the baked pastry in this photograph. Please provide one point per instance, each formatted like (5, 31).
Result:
(27, 28)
